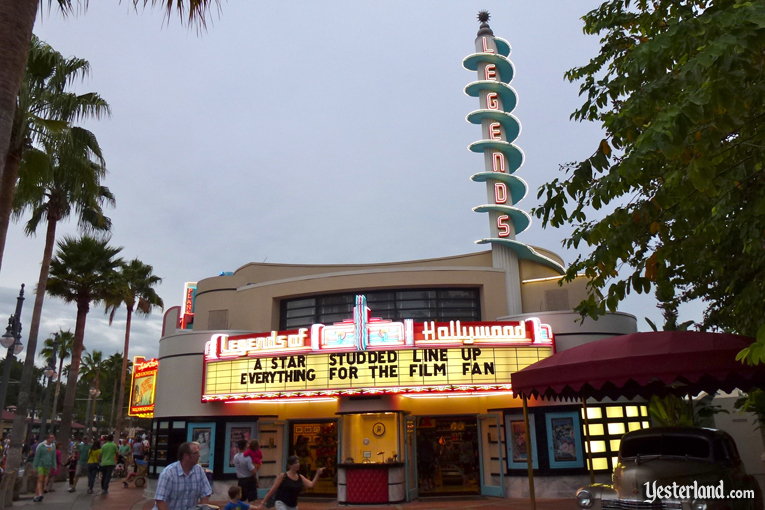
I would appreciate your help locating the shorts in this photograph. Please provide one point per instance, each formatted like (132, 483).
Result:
(43, 471)
(279, 505)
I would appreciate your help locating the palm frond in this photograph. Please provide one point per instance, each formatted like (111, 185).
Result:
(192, 12)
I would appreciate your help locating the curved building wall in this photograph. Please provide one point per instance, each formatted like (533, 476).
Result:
(571, 331)
(249, 299)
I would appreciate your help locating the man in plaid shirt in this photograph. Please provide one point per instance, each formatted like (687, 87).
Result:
(183, 483)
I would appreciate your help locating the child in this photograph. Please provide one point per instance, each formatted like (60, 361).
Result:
(71, 464)
(235, 500)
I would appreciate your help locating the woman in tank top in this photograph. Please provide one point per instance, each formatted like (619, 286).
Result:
(288, 485)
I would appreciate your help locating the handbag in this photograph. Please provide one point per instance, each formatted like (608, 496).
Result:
(270, 502)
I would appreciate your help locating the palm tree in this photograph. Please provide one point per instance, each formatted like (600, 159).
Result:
(93, 367)
(54, 184)
(42, 113)
(44, 108)
(60, 343)
(113, 371)
(135, 289)
(82, 272)
(17, 19)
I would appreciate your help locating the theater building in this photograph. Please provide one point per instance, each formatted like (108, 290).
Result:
(395, 376)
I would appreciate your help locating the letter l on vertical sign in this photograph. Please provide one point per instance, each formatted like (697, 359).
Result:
(486, 48)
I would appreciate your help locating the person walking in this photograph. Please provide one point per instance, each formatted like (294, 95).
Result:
(108, 462)
(81, 450)
(183, 483)
(288, 485)
(56, 470)
(235, 500)
(245, 472)
(94, 458)
(44, 462)
(123, 454)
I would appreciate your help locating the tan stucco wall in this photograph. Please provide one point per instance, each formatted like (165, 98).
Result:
(252, 294)
(534, 298)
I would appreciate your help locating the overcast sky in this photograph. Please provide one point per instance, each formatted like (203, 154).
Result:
(304, 132)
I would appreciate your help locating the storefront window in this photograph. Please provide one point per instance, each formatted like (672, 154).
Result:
(371, 438)
(421, 304)
(607, 424)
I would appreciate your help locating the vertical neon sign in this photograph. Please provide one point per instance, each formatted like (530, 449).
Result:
(187, 309)
(499, 128)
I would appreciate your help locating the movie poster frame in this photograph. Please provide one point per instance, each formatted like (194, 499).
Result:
(191, 433)
(510, 420)
(574, 422)
(252, 427)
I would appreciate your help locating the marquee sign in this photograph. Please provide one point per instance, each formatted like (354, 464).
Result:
(143, 384)
(368, 355)
(186, 318)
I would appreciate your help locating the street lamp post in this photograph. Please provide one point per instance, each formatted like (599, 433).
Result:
(93, 394)
(50, 373)
(11, 340)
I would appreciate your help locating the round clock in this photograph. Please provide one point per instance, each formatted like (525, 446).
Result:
(378, 429)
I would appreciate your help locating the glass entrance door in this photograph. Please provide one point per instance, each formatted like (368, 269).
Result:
(412, 464)
(492, 461)
(315, 444)
(446, 455)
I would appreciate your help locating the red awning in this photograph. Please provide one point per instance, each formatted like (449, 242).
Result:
(642, 364)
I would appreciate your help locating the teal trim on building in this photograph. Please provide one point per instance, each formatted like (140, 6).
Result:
(503, 47)
(505, 92)
(525, 252)
(521, 219)
(513, 153)
(505, 68)
(518, 187)
(510, 124)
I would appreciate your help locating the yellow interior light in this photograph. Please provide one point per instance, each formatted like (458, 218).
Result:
(614, 412)
(616, 428)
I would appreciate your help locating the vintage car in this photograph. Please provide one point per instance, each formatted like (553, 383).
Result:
(683, 468)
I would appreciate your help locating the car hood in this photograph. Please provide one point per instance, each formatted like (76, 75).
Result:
(630, 478)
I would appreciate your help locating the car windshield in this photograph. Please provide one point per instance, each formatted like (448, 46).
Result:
(679, 446)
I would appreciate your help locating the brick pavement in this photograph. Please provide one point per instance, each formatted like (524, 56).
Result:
(120, 498)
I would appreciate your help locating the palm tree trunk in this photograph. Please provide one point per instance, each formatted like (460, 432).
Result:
(7, 188)
(58, 384)
(111, 409)
(121, 398)
(42, 283)
(17, 19)
(19, 424)
(83, 307)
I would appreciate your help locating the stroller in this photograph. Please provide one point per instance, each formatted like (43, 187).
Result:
(137, 477)
(120, 470)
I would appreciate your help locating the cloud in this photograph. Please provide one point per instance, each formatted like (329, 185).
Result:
(99, 335)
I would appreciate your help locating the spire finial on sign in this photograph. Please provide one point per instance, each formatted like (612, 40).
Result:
(483, 17)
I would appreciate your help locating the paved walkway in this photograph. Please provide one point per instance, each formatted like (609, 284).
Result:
(120, 498)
